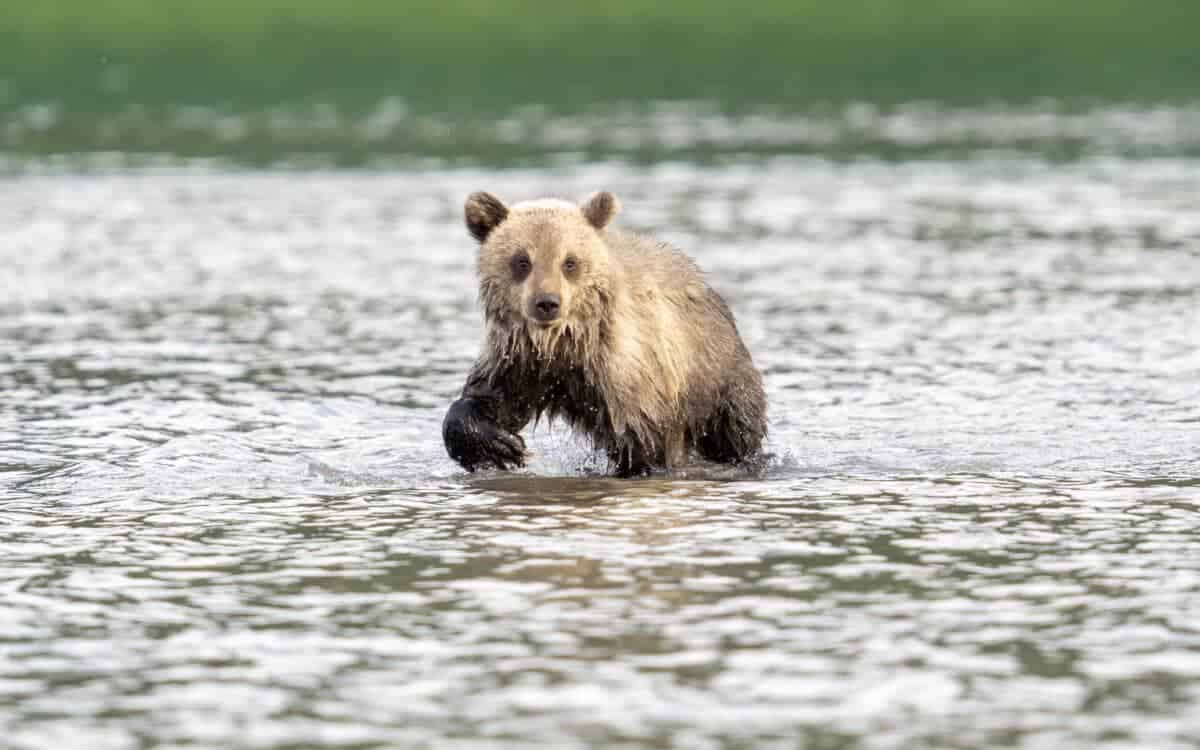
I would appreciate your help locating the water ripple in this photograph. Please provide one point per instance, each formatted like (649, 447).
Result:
(228, 520)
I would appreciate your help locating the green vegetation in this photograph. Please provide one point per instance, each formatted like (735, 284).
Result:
(474, 59)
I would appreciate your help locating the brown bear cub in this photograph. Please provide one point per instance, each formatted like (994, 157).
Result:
(614, 332)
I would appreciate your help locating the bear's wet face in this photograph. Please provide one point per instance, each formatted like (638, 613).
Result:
(541, 262)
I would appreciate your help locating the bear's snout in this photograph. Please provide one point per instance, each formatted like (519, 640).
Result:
(546, 307)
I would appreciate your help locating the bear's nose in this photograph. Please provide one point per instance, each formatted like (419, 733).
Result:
(545, 306)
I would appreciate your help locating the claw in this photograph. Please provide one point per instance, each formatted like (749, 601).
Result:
(508, 449)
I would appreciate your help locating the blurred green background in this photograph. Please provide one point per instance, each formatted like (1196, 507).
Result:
(209, 77)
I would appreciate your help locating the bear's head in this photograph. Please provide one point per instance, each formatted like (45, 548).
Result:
(544, 264)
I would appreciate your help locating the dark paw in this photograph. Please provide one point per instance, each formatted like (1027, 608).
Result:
(479, 444)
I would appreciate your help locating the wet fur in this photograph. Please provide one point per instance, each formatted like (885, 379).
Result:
(646, 360)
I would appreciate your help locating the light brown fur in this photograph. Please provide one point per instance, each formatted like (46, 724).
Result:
(644, 356)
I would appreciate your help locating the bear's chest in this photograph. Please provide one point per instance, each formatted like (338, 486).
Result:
(568, 392)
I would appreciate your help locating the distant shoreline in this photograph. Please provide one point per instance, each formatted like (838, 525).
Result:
(648, 132)
(203, 78)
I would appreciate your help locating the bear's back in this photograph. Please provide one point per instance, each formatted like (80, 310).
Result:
(647, 263)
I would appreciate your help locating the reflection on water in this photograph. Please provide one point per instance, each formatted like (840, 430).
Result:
(227, 519)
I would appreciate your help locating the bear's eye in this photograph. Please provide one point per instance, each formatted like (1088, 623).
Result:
(521, 266)
(570, 265)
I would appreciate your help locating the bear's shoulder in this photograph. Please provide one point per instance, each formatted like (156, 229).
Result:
(657, 268)
(640, 253)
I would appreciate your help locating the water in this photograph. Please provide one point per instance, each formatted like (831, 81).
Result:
(647, 131)
(227, 520)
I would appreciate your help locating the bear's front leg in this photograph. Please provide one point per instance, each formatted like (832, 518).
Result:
(474, 438)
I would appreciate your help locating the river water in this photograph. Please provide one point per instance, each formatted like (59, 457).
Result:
(227, 519)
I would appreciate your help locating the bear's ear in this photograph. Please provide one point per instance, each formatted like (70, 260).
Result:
(600, 208)
(484, 212)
